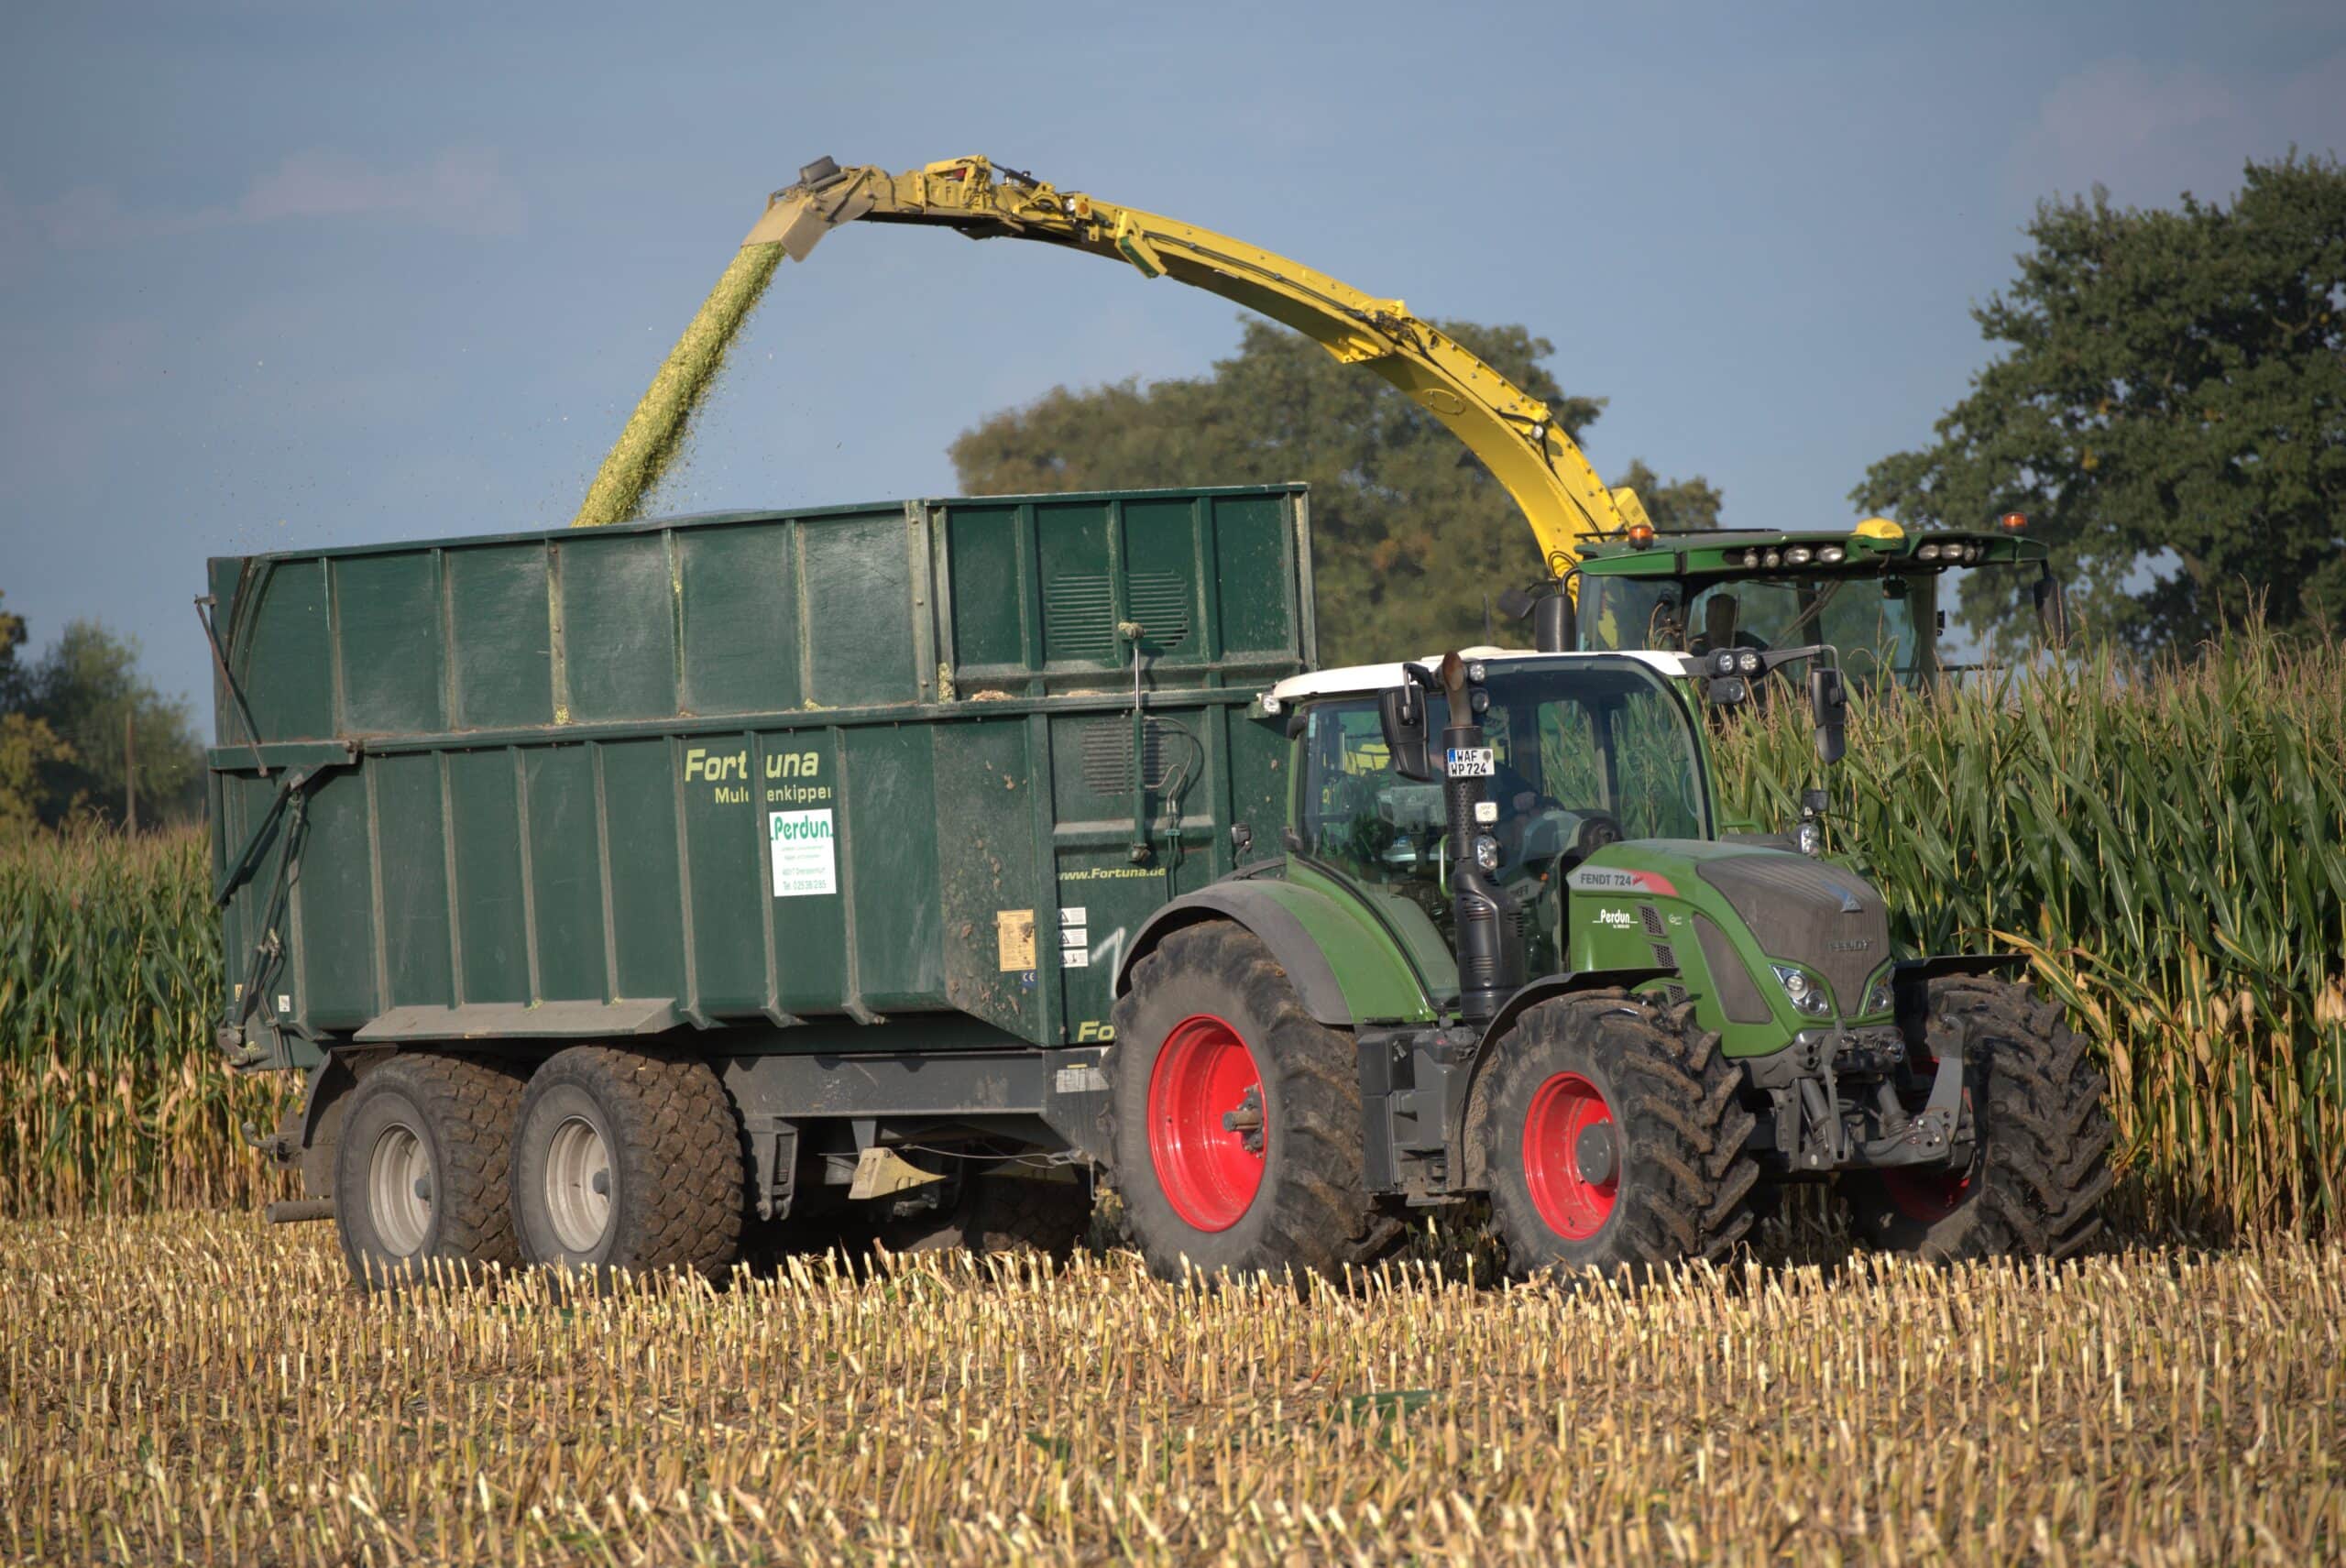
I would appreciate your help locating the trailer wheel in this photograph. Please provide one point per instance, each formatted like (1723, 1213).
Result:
(1235, 1117)
(627, 1160)
(419, 1172)
(1000, 1214)
(1611, 1142)
(2041, 1167)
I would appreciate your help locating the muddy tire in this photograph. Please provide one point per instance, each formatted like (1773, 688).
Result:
(2042, 1164)
(627, 1160)
(998, 1215)
(1234, 1118)
(420, 1171)
(1613, 1141)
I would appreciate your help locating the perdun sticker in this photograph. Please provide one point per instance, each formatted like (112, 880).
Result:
(805, 858)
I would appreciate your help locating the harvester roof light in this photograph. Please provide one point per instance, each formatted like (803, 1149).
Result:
(1832, 556)
(1926, 553)
(1773, 558)
(1798, 555)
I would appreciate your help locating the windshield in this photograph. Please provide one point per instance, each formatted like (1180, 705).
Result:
(1584, 755)
(1881, 626)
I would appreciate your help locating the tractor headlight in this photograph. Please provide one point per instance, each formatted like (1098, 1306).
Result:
(1881, 996)
(1773, 558)
(1832, 554)
(1748, 663)
(1926, 553)
(1809, 837)
(1486, 851)
(1806, 991)
(1798, 555)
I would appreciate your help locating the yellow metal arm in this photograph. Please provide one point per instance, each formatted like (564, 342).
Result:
(1513, 433)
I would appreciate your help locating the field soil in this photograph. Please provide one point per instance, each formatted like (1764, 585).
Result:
(199, 1387)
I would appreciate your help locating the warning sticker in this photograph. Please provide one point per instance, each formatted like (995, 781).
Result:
(804, 858)
(1013, 934)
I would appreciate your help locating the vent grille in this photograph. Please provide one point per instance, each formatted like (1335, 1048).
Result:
(1654, 927)
(1160, 602)
(1079, 617)
(1107, 748)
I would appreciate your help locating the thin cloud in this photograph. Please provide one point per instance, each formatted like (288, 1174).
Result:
(463, 191)
(2149, 133)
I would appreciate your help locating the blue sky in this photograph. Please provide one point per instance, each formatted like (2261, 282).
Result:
(282, 274)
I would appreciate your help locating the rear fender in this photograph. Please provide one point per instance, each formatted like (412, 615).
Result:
(1345, 968)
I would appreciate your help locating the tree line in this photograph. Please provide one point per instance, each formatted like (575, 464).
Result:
(83, 736)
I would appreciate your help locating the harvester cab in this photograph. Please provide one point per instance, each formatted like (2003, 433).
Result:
(1510, 945)
(1879, 595)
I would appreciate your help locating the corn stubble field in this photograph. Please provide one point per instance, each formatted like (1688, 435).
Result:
(209, 1389)
(2167, 845)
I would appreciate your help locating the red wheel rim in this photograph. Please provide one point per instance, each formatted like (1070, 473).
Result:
(1928, 1196)
(1207, 1135)
(1566, 1107)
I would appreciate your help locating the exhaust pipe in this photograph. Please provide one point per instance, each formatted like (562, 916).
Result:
(1489, 965)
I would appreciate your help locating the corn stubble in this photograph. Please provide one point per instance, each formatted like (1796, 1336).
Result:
(210, 1389)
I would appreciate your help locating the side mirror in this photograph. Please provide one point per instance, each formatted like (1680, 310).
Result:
(1828, 704)
(1553, 628)
(2052, 609)
(1401, 711)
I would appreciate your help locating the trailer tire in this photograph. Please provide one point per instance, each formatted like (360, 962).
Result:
(1212, 1016)
(420, 1173)
(627, 1160)
(999, 1215)
(1612, 1142)
(2041, 1167)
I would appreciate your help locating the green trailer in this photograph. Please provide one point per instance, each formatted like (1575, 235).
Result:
(633, 897)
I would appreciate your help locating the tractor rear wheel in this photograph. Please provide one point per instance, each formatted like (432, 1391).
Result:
(2041, 1164)
(628, 1159)
(1235, 1117)
(419, 1172)
(1611, 1140)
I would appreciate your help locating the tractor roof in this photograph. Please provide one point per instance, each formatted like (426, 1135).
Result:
(1363, 679)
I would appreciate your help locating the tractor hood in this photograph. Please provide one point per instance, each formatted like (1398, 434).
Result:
(1823, 917)
(1722, 914)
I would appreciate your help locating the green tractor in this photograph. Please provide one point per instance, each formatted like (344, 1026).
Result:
(1508, 952)
(1877, 594)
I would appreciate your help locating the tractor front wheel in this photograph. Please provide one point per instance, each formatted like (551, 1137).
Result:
(1235, 1117)
(1612, 1140)
(2040, 1162)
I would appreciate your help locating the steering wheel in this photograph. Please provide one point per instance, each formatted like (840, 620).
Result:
(1596, 830)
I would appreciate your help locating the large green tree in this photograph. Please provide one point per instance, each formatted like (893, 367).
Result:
(87, 693)
(1413, 537)
(27, 745)
(2169, 407)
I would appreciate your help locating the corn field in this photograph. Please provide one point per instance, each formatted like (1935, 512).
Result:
(112, 1097)
(2168, 844)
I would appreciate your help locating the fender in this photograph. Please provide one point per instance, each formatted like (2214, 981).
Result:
(1301, 927)
(1526, 997)
(1550, 987)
